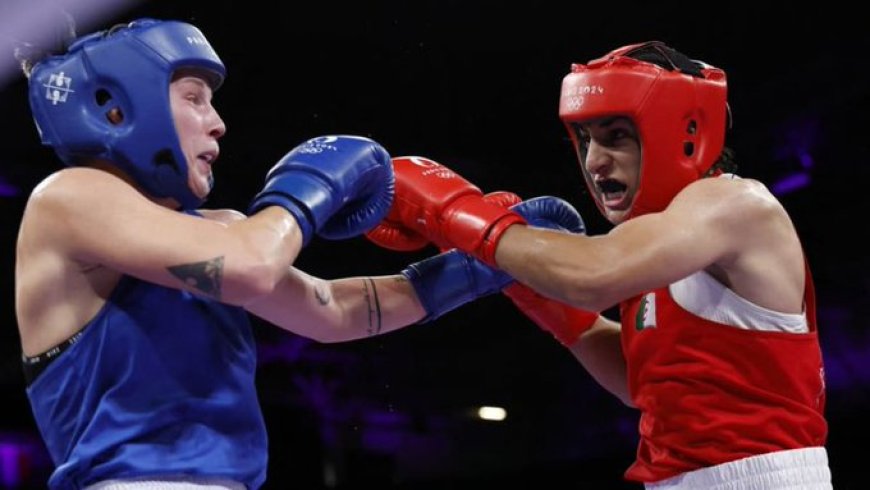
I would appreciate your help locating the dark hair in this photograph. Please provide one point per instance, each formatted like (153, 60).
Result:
(725, 163)
(62, 33)
(668, 58)
(671, 59)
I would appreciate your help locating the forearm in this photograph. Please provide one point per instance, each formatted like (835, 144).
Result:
(562, 266)
(262, 248)
(374, 306)
(342, 309)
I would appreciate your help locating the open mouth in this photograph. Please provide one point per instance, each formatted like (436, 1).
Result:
(208, 157)
(613, 192)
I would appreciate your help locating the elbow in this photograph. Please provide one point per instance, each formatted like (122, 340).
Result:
(259, 263)
(254, 278)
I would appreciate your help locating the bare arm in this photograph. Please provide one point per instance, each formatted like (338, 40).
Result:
(341, 309)
(334, 310)
(599, 350)
(713, 221)
(734, 227)
(97, 219)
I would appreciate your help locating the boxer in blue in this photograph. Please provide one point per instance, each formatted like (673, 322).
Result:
(132, 302)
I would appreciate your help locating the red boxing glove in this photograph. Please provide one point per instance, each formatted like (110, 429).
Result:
(433, 203)
(392, 235)
(502, 199)
(565, 322)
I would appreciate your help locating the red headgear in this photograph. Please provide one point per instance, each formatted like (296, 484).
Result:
(679, 110)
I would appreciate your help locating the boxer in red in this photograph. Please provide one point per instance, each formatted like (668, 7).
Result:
(717, 343)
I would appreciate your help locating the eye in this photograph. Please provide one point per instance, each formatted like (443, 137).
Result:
(581, 134)
(194, 97)
(583, 138)
(194, 93)
(617, 134)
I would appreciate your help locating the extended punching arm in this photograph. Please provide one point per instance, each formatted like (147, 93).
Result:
(451, 279)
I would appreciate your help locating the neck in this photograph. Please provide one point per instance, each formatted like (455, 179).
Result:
(109, 167)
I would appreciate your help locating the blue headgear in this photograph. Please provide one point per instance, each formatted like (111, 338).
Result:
(126, 70)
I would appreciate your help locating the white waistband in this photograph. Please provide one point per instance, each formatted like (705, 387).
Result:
(795, 469)
(159, 482)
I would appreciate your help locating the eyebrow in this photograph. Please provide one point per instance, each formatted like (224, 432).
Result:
(193, 79)
(603, 123)
(609, 121)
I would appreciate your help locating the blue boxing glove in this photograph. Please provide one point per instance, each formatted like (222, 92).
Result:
(335, 186)
(451, 279)
(552, 213)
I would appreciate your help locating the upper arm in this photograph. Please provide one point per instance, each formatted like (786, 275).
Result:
(94, 218)
(710, 221)
(657, 249)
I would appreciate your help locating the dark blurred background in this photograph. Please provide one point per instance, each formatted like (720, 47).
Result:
(475, 85)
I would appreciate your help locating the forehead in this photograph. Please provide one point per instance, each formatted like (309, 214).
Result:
(604, 123)
(192, 77)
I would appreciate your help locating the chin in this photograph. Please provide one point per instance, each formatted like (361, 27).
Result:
(201, 186)
(617, 216)
(199, 192)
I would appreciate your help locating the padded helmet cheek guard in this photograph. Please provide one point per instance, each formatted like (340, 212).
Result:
(680, 113)
(107, 97)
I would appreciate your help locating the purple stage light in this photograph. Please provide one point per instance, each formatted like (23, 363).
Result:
(22, 458)
(10, 464)
(288, 349)
(806, 159)
(7, 189)
(791, 183)
(36, 22)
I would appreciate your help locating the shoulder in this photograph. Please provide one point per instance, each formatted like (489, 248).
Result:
(730, 199)
(740, 217)
(77, 185)
(58, 207)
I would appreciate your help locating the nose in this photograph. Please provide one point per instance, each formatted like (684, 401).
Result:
(598, 159)
(216, 126)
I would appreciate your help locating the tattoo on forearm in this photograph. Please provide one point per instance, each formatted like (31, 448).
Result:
(374, 303)
(202, 276)
(322, 294)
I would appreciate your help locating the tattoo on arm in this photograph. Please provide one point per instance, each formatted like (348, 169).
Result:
(201, 276)
(371, 295)
(322, 294)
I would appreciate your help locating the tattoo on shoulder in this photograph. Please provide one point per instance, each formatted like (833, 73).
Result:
(371, 295)
(203, 276)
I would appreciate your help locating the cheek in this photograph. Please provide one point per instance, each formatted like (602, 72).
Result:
(183, 119)
(182, 125)
(185, 130)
